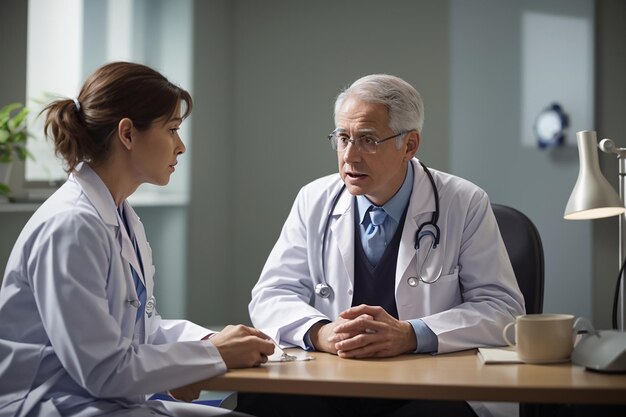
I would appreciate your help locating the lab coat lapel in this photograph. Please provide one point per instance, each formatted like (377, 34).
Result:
(142, 245)
(422, 202)
(128, 249)
(100, 197)
(343, 231)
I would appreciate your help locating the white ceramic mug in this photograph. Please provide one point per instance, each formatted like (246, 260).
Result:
(542, 338)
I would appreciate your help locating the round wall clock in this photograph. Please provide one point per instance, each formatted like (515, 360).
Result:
(550, 126)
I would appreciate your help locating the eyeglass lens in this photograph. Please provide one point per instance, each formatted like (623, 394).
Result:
(364, 143)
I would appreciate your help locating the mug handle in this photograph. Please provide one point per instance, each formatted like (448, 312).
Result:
(584, 327)
(509, 328)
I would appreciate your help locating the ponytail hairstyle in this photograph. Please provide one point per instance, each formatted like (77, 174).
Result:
(82, 128)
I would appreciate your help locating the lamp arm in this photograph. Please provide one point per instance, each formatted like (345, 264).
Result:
(608, 146)
(620, 313)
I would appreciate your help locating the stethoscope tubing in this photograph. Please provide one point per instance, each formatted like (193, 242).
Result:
(323, 286)
(324, 290)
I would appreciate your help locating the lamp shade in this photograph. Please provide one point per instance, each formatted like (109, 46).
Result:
(593, 197)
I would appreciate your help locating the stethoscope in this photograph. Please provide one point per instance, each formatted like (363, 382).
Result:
(428, 229)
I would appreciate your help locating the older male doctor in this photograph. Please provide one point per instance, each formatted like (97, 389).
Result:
(388, 257)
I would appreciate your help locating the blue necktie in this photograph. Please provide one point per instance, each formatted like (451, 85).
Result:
(139, 287)
(375, 235)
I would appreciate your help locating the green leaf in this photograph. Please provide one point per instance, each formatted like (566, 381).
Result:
(4, 189)
(19, 137)
(13, 132)
(22, 153)
(6, 110)
(5, 114)
(5, 153)
(17, 121)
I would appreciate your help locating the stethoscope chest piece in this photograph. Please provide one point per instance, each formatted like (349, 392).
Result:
(323, 290)
(150, 306)
(413, 281)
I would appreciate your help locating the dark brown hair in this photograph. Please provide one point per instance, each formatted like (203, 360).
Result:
(82, 128)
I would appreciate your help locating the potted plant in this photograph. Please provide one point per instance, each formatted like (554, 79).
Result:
(13, 135)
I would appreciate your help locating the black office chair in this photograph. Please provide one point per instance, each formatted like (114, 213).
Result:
(525, 250)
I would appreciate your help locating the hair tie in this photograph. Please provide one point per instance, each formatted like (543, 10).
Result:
(76, 103)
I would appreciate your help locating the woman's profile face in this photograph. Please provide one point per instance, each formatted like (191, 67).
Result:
(156, 150)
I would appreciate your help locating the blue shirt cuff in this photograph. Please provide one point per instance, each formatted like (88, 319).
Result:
(426, 339)
(307, 336)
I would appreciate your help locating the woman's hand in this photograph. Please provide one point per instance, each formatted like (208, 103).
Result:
(242, 346)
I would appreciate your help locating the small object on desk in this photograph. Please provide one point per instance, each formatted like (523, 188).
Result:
(498, 355)
(286, 357)
(280, 355)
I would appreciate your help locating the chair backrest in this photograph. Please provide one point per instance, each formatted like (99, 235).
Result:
(525, 250)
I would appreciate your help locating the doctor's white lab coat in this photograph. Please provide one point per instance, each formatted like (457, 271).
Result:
(467, 307)
(475, 297)
(69, 340)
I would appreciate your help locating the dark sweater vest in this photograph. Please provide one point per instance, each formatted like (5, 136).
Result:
(375, 286)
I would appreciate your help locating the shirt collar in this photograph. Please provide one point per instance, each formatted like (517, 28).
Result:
(396, 205)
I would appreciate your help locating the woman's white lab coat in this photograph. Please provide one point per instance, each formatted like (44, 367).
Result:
(475, 297)
(69, 340)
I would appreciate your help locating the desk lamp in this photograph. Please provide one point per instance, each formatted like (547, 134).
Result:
(592, 198)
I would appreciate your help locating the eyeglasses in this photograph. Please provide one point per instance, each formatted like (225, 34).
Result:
(364, 143)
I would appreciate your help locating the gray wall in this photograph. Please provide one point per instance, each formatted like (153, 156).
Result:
(486, 145)
(12, 88)
(13, 68)
(266, 74)
(581, 257)
(211, 283)
(13, 35)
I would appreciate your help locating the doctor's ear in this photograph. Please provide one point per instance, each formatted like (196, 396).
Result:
(412, 144)
(124, 132)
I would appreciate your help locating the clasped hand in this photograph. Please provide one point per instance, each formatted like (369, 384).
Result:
(365, 331)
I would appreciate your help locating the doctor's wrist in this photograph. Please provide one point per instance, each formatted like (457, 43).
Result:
(316, 339)
(410, 338)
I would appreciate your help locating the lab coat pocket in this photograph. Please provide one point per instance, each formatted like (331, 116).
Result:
(445, 293)
(453, 276)
(417, 298)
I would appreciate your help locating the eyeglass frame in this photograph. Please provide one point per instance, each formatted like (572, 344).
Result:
(360, 148)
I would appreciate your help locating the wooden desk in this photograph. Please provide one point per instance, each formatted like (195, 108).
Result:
(454, 376)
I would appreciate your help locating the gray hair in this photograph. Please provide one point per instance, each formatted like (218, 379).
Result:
(405, 105)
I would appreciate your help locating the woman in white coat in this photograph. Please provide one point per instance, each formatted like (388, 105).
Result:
(79, 331)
